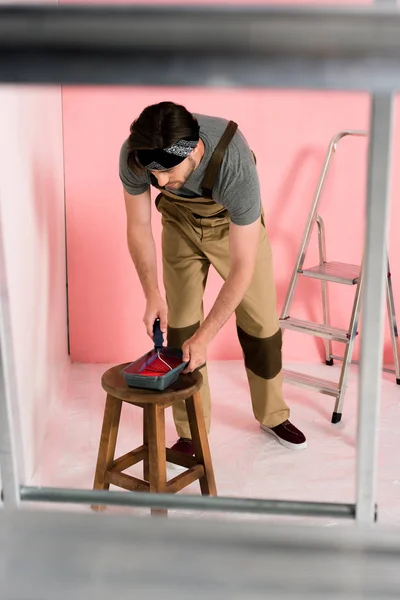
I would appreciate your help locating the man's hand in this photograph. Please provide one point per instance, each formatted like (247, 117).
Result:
(155, 307)
(195, 352)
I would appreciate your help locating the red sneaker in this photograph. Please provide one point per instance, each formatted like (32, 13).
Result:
(288, 435)
(185, 446)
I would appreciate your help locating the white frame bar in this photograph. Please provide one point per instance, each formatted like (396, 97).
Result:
(308, 47)
(375, 274)
(188, 502)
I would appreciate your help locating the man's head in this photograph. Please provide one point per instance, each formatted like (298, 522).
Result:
(165, 140)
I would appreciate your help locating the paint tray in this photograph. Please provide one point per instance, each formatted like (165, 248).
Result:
(158, 369)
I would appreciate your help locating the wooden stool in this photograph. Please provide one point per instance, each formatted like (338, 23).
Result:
(153, 453)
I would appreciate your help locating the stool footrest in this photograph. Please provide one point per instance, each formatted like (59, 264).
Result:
(127, 482)
(129, 459)
(178, 458)
(184, 479)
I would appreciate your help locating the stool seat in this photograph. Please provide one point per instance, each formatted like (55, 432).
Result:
(153, 453)
(113, 382)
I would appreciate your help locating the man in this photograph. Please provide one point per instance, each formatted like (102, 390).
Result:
(211, 215)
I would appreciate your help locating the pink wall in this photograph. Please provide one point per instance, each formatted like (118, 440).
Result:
(289, 131)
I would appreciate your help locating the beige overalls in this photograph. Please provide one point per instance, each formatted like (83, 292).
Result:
(195, 235)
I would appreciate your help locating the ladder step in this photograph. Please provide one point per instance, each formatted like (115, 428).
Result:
(334, 271)
(316, 329)
(324, 386)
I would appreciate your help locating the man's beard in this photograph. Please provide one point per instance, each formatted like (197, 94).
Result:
(178, 184)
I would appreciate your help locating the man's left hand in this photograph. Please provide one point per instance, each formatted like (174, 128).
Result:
(194, 351)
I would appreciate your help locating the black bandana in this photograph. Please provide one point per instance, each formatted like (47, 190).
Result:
(160, 159)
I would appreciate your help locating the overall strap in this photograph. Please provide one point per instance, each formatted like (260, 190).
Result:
(216, 159)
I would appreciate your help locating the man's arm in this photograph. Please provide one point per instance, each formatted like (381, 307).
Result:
(143, 252)
(243, 246)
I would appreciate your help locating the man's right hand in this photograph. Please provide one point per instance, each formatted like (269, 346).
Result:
(155, 307)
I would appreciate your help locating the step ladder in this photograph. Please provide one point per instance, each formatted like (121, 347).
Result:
(339, 273)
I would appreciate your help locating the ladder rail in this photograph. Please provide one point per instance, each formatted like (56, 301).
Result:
(324, 286)
(312, 216)
(344, 372)
(393, 324)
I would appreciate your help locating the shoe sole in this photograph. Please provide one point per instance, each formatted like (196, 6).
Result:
(284, 443)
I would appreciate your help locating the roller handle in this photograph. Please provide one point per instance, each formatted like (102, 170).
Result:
(158, 337)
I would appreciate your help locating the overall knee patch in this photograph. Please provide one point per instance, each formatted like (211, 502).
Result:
(262, 356)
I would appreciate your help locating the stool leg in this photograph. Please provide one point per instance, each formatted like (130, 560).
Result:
(200, 443)
(108, 442)
(157, 452)
(146, 475)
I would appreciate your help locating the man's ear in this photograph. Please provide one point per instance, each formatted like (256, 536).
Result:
(198, 151)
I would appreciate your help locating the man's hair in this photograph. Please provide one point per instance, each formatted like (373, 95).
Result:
(159, 126)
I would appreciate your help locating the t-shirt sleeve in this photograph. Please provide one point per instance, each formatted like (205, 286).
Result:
(238, 187)
(133, 183)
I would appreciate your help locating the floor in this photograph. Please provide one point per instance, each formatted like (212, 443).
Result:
(247, 461)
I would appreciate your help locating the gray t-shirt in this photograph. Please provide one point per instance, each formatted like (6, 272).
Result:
(237, 186)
